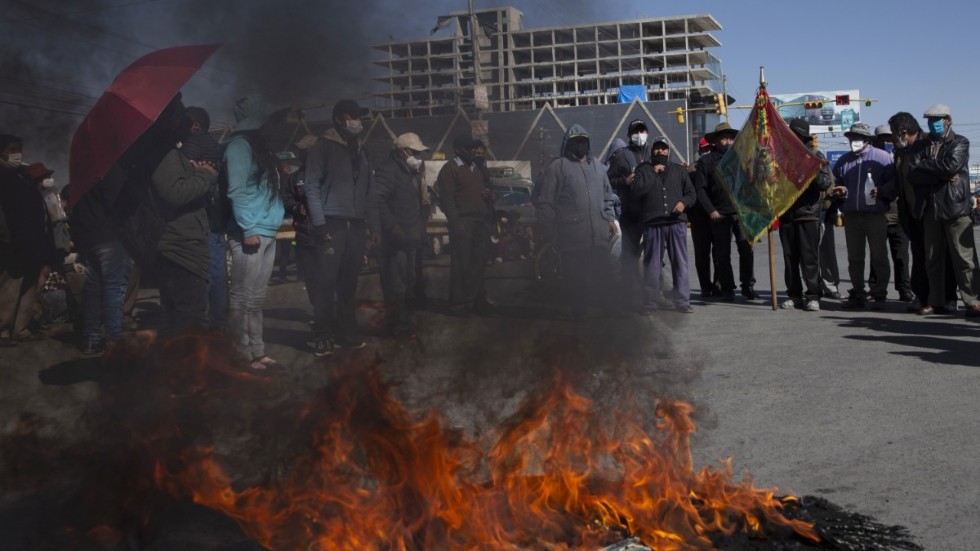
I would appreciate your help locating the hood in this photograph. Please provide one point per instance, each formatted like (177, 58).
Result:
(617, 144)
(251, 112)
(574, 131)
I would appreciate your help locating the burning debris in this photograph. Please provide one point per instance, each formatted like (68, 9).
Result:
(352, 467)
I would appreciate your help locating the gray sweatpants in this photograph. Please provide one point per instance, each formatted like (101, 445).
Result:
(251, 269)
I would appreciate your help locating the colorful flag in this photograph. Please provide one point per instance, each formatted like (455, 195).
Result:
(766, 169)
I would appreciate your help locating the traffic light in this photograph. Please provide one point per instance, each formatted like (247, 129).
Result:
(680, 115)
(813, 105)
(721, 104)
(843, 99)
(868, 103)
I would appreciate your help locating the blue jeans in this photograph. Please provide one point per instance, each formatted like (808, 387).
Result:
(251, 268)
(106, 277)
(217, 282)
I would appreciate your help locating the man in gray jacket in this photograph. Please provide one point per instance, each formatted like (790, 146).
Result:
(575, 203)
(338, 186)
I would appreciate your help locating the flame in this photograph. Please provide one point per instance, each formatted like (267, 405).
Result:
(563, 473)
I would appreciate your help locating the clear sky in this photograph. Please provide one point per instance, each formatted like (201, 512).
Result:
(60, 54)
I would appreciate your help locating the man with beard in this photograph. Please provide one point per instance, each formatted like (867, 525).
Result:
(338, 184)
(465, 197)
(864, 179)
(908, 143)
(941, 177)
(799, 233)
(398, 202)
(622, 174)
(724, 219)
(575, 203)
(664, 192)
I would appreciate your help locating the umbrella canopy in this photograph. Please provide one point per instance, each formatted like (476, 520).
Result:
(126, 110)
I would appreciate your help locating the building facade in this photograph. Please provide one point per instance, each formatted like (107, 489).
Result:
(523, 69)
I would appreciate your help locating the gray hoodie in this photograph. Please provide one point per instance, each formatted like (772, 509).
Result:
(575, 199)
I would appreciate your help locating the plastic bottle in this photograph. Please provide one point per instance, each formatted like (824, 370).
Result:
(869, 184)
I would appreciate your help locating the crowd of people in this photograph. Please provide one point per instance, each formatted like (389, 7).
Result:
(201, 219)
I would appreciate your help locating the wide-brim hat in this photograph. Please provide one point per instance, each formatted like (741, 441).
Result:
(800, 127)
(860, 130)
(720, 129)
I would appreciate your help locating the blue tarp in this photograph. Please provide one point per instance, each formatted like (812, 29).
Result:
(627, 93)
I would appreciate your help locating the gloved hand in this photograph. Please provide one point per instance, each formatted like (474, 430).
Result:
(320, 233)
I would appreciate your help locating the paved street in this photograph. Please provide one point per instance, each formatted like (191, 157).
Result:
(876, 411)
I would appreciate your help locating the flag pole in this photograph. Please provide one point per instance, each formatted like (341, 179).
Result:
(772, 246)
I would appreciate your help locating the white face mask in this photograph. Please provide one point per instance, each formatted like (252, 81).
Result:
(355, 126)
(639, 139)
(15, 159)
(47, 183)
(414, 163)
(857, 145)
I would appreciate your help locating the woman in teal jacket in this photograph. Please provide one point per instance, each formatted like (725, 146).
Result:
(257, 213)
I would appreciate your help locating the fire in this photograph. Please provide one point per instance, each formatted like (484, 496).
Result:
(564, 472)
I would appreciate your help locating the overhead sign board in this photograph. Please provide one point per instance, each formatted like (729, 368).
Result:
(821, 109)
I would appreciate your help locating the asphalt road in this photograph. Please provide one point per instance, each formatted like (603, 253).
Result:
(876, 411)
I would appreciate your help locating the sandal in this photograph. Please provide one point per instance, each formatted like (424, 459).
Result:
(263, 363)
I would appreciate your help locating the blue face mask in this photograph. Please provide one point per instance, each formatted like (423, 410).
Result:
(936, 127)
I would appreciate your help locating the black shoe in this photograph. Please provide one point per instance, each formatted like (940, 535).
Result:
(322, 346)
(727, 296)
(854, 303)
(878, 303)
(906, 297)
(93, 347)
(749, 293)
(349, 342)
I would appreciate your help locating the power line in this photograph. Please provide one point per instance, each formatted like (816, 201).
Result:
(50, 110)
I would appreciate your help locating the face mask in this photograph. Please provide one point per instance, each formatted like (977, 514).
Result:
(465, 156)
(414, 163)
(639, 140)
(937, 127)
(15, 159)
(479, 160)
(47, 183)
(721, 149)
(578, 148)
(857, 145)
(901, 144)
(659, 160)
(355, 126)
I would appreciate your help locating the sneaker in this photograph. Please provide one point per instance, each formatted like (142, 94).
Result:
(349, 342)
(878, 304)
(322, 346)
(788, 304)
(93, 347)
(906, 297)
(812, 306)
(684, 309)
(853, 303)
(749, 293)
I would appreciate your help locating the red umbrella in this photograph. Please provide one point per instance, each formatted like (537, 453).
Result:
(127, 109)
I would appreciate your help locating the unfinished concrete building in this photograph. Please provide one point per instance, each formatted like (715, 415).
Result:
(523, 69)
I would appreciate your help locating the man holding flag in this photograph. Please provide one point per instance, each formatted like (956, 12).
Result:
(717, 202)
